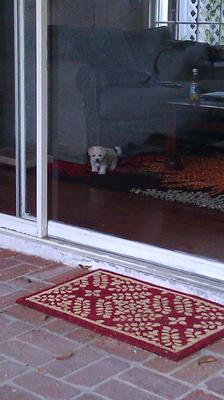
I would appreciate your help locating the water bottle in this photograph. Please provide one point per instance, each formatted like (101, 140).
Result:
(194, 87)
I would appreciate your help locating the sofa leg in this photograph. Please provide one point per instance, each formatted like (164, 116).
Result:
(172, 159)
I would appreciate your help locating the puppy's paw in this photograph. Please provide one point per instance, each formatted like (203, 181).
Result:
(94, 169)
(102, 171)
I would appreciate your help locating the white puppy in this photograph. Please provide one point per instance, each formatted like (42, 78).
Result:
(103, 158)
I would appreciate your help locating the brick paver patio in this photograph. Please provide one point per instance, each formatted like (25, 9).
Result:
(46, 358)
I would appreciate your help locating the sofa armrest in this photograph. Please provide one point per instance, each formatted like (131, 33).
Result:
(73, 125)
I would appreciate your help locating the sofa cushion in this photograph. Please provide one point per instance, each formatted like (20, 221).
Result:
(127, 103)
(130, 77)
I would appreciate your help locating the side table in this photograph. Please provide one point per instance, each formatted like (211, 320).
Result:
(172, 111)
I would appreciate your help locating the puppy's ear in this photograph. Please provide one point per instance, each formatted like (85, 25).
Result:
(102, 150)
(90, 151)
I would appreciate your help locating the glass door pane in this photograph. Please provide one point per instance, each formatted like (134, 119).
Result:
(79, 31)
(7, 109)
(27, 87)
(115, 82)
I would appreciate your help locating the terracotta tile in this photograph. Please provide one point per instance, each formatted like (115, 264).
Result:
(10, 392)
(4, 321)
(4, 253)
(60, 326)
(82, 335)
(10, 299)
(200, 395)
(121, 349)
(162, 364)
(81, 358)
(10, 369)
(46, 386)
(26, 282)
(6, 289)
(6, 263)
(116, 390)
(74, 273)
(155, 383)
(16, 271)
(195, 373)
(50, 272)
(26, 314)
(97, 372)
(24, 353)
(217, 347)
(48, 341)
(38, 261)
(90, 396)
(13, 329)
(216, 385)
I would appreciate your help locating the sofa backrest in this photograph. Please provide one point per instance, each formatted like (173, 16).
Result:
(105, 49)
(167, 59)
(120, 55)
(175, 63)
(146, 44)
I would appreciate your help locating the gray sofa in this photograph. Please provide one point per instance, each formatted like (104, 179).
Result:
(106, 86)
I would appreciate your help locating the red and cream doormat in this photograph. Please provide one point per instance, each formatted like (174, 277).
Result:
(159, 320)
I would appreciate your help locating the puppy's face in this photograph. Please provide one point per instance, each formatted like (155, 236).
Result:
(96, 153)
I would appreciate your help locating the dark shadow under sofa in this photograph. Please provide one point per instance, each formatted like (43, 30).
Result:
(107, 86)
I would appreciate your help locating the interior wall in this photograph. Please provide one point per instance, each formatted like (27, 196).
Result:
(72, 13)
(123, 14)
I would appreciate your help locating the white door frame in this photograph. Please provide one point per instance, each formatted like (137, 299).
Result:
(42, 115)
(26, 224)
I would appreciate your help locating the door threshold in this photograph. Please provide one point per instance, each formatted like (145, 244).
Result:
(71, 254)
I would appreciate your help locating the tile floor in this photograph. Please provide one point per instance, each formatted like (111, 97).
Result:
(35, 350)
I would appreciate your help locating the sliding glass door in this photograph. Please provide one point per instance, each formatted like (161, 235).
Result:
(61, 92)
(18, 114)
(18, 108)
